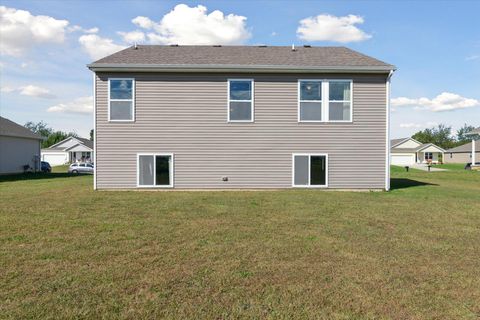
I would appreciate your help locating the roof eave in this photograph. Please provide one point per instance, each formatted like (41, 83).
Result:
(115, 67)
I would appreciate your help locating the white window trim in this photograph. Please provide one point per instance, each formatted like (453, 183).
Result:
(325, 101)
(252, 107)
(171, 170)
(132, 100)
(351, 100)
(309, 175)
(300, 101)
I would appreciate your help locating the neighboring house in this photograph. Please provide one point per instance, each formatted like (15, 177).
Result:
(463, 153)
(241, 117)
(19, 147)
(408, 151)
(69, 150)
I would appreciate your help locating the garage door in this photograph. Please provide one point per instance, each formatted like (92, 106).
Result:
(55, 159)
(403, 159)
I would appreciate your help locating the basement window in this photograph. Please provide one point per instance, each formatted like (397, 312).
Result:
(310, 170)
(240, 100)
(155, 170)
(121, 99)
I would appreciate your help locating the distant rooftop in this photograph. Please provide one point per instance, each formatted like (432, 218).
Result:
(239, 57)
(12, 129)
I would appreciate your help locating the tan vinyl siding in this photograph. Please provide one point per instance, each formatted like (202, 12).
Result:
(460, 157)
(186, 114)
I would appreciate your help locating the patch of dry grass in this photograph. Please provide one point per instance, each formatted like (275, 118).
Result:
(69, 252)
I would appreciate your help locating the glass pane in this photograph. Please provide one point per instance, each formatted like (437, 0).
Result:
(310, 111)
(339, 90)
(145, 170)
(240, 111)
(339, 111)
(240, 90)
(121, 89)
(301, 171)
(318, 170)
(121, 110)
(310, 90)
(162, 167)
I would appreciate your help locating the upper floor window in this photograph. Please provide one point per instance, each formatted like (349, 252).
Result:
(121, 99)
(310, 108)
(240, 100)
(339, 103)
(324, 100)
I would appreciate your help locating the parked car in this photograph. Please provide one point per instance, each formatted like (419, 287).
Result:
(45, 167)
(468, 166)
(80, 167)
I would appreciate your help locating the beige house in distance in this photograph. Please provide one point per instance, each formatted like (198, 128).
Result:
(228, 117)
(408, 151)
(463, 153)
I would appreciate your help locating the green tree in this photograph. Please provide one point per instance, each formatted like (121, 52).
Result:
(440, 135)
(461, 137)
(40, 128)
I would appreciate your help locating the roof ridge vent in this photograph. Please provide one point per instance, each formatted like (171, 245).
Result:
(262, 45)
(307, 46)
(174, 45)
(217, 45)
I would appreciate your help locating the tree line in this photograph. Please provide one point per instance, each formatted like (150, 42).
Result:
(50, 136)
(442, 136)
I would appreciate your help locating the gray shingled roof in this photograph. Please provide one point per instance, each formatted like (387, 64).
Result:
(467, 147)
(12, 129)
(474, 132)
(397, 141)
(242, 56)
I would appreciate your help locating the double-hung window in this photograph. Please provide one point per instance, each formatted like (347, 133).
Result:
(310, 170)
(310, 100)
(240, 100)
(324, 100)
(121, 99)
(428, 156)
(155, 170)
(340, 100)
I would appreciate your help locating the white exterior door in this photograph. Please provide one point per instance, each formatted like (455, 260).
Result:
(55, 159)
(403, 159)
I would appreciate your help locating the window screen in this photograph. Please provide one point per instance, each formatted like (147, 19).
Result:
(240, 98)
(301, 170)
(121, 99)
(145, 170)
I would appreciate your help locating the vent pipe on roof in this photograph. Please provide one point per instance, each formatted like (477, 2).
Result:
(135, 46)
(293, 47)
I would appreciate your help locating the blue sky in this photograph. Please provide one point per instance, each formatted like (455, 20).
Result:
(435, 46)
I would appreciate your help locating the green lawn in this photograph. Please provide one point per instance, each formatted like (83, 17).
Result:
(412, 253)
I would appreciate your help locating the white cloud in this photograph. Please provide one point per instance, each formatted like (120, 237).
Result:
(35, 91)
(325, 27)
(79, 28)
(21, 30)
(83, 105)
(193, 25)
(133, 36)
(98, 47)
(418, 125)
(445, 101)
(29, 90)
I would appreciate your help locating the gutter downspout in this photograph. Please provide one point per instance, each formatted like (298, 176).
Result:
(387, 151)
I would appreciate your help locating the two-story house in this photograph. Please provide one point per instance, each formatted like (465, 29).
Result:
(241, 117)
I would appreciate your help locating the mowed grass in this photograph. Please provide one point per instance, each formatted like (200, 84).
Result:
(412, 253)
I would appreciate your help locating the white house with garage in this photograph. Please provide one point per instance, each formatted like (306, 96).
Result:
(408, 151)
(72, 149)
